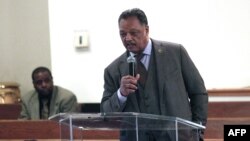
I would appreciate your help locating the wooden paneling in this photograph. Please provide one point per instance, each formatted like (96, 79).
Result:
(21, 129)
(9, 111)
(46, 129)
(215, 126)
(229, 109)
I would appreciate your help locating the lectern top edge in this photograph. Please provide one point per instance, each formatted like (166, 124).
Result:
(80, 116)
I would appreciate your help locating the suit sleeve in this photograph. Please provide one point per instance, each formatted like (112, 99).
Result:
(195, 87)
(24, 114)
(69, 104)
(110, 101)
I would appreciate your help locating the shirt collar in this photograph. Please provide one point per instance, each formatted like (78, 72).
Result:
(147, 50)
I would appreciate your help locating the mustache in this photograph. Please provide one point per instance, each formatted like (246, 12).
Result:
(129, 43)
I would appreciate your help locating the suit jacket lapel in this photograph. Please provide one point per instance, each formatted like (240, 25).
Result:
(34, 107)
(123, 68)
(53, 102)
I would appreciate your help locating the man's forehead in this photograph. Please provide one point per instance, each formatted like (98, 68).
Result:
(42, 74)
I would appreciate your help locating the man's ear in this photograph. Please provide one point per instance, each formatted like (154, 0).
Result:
(147, 29)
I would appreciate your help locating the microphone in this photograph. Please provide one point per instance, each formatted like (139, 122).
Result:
(131, 64)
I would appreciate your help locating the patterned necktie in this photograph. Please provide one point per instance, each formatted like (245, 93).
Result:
(45, 109)
(141, 70)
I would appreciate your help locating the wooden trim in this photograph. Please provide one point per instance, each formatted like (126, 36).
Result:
(229, 92)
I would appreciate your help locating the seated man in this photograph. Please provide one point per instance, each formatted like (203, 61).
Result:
(46, 99)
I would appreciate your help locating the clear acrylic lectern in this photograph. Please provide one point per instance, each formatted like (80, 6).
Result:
(129, 126)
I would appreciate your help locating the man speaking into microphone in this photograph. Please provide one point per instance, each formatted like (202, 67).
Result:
(166, 81)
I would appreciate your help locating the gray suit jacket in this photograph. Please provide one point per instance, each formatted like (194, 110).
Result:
(62, 101)
(181, 88)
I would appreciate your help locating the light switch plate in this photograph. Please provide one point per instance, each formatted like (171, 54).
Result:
(81, 39)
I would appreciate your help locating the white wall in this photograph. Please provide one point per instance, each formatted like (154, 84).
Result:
(24, 40)
(216, 34)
